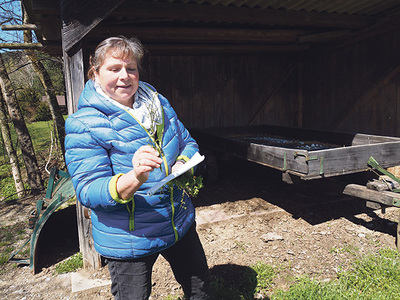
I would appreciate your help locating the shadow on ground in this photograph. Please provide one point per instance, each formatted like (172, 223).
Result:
(316, 201)
(233, 282)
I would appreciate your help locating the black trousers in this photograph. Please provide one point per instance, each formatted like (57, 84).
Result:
(131, 279)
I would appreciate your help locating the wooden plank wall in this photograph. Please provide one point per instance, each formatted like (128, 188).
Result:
(355, 88)
(218, 91)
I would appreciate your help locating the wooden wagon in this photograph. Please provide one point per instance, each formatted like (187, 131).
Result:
(311, 154)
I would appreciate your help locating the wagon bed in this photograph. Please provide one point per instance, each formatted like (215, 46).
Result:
(309, 154)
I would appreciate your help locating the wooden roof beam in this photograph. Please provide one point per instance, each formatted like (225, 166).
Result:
(221, 49)
(80, 17)
(19, 27)
(161, 11)
(21, 46)
(203, 35)
(324, 36)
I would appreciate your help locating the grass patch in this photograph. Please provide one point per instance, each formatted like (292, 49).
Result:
(9, 240)
(72, 264)
(375, 276)
(3, 258)
(346, 249)
(40, 133)
(265, 277)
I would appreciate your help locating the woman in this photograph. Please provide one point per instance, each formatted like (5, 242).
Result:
(123, 139)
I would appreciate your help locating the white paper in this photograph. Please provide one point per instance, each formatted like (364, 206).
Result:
(194, 161)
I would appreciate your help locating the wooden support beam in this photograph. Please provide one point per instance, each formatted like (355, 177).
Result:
(164, 11)
(383, 197)
(19, 27)
(324, 36)
(80, 17)
(74, 83)
(220, 49)
(74, 77)
(21, 46)
(200, 35)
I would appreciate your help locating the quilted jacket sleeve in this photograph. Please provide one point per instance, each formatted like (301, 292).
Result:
(89, 166)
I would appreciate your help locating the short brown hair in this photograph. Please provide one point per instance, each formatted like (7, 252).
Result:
(118, 47)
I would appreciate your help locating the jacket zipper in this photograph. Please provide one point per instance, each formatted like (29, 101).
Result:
(173, 214)
(160, 134)
(131, 215)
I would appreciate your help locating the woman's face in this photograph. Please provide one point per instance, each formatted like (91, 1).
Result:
(119, 79)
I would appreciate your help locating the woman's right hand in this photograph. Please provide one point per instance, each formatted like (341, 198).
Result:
(145, 160)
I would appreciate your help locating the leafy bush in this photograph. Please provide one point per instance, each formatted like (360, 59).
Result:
(29, 99)
(42, 112)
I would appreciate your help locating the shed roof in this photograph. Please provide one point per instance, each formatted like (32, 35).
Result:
(212, 25)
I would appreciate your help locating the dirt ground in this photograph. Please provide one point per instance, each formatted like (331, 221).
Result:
(249, 215)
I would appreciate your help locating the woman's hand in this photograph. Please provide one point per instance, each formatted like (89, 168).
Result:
(177, 165)
(145, 160)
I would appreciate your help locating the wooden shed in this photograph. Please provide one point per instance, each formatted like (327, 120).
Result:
(327, 64)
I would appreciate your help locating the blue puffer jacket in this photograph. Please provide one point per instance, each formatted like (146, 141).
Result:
(100, 143)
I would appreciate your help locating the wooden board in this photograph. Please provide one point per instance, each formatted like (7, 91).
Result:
(386, 198)
(310, 154)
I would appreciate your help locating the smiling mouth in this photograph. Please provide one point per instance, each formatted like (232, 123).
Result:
(124, 86)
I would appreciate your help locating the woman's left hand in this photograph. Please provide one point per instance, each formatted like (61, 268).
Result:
(177, 165)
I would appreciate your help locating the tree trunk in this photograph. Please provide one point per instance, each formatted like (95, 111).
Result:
(28, 153)
(45, 79)
(55, 110)
(12, 156)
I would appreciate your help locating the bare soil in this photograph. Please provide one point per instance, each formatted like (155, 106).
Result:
(249, 215)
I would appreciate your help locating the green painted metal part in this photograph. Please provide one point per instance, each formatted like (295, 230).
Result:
(375, 165)
(58, 193)
(396, 202)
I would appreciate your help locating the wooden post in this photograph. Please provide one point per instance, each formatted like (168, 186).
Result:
(74, 82)
(398, 233)
(74, 76)
(78, 19)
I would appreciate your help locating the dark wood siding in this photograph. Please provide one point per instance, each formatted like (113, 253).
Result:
(220, 91)
(354, 88)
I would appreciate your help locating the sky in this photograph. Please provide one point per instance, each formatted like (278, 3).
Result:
(9, 9)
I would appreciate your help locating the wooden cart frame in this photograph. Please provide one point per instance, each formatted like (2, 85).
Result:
(343, 153)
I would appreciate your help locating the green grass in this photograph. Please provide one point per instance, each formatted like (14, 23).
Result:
(375, 276)
(72, 264)
(371, 277)
(40, 133)
(265, 277)
(9, 237)
(346, 249)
